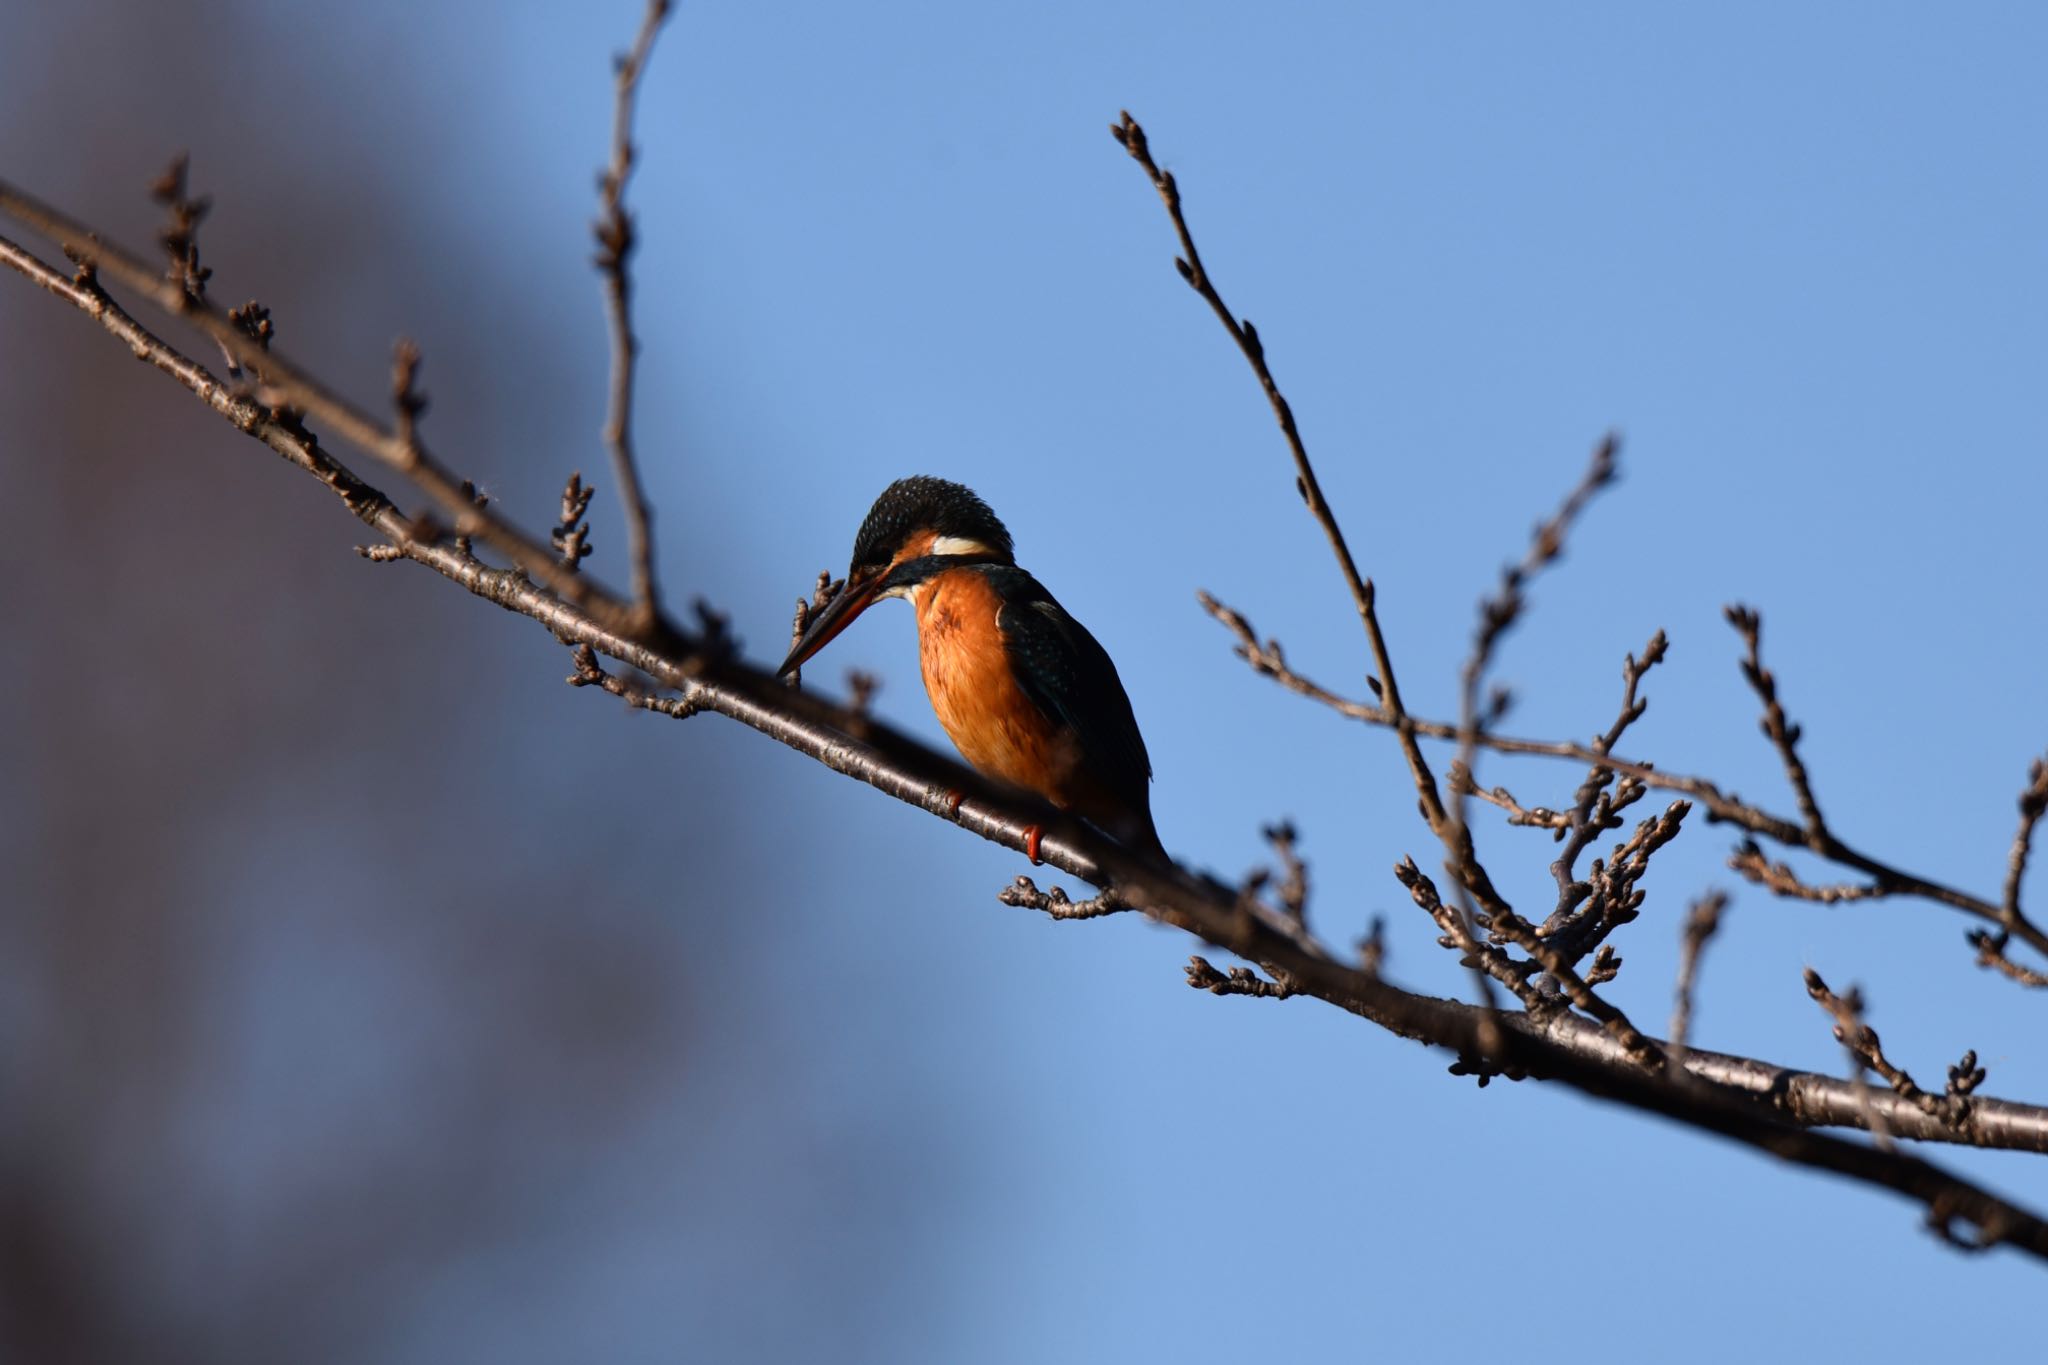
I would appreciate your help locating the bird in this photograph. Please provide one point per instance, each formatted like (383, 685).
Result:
(1022, 689)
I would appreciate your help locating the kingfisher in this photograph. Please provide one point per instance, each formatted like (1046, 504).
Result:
(1022, 689)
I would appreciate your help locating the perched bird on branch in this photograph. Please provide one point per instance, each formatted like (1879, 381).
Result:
(1021, 687)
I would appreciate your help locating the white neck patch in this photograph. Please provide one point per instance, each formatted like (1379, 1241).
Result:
(959, 545)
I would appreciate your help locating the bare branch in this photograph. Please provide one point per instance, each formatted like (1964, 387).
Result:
(1952, 1107)
(571, 535)
(1474, 954)
(179, 236)
(284, 391)
(1641, 1048)
(1239, 981)
(821, 597)
(1268, 658)
(1745, 1101)
(2033, 804)
(1701, 922)
(407, 402)
(1594, 808)
(1025, 894)
(1372, 949)
(1991, 953)
(615, 241)
(1292, 892)
(1749, 860)
(1783, 734)
(1499, 612)
(1131, 136)
(860, 691)
(1609, 897)
(1459, 779)
(590, 674)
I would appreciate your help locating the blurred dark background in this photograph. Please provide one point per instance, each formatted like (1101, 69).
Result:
(359, 981)
(367, 994)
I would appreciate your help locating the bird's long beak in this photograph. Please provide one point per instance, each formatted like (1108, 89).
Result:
(838, 614)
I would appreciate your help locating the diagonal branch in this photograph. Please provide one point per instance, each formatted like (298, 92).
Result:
(1132, 137)
(1447, 826)
(1783, 734)
(1778, 877)
(284, 389)
(1749, 1102)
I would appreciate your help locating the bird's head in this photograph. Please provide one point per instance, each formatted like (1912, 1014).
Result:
(918, 527)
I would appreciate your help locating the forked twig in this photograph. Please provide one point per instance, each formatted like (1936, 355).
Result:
(1268, 658)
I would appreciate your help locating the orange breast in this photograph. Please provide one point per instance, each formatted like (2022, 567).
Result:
(996, 727)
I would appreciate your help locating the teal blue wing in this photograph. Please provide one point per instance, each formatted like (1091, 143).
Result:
(1070, 677)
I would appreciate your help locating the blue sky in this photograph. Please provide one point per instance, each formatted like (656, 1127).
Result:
(1794, 255)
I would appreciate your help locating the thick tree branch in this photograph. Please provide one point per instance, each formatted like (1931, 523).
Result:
(1748, 1101)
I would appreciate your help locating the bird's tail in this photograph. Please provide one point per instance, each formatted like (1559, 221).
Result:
(1140, 835)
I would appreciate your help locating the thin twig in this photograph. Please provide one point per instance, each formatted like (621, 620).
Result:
(285, 390)
(1783, 734)
(1238, 981)
(179, 236)
(1056, 904)
(571, 535)
(2033, 804)
(1701, 922)
(822, 593)
(1749, 860)
(1497, 614)
(1460, 780)
(589, 673)
(1499, 611)
(1952, 1107)
(1292, 892)
(1471, 876)
(1473, 952)
(1131, 136)
(1991, 953)
(615, 241)
(1595, 809)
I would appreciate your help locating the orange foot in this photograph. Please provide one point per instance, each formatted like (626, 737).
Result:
(1032, 835)
(953, 800)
